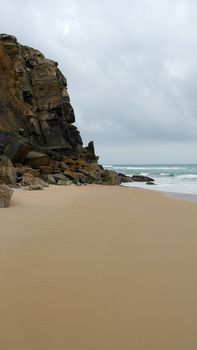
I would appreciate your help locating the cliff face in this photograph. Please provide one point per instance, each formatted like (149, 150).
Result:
(39, 145)
(34, 102)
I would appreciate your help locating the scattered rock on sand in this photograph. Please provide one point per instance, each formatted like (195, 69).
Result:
(64, 183)
(33, 188)
(7, 171)
(5, 196)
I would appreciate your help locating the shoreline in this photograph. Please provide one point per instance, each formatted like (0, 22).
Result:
(188, 197)
(97, 267)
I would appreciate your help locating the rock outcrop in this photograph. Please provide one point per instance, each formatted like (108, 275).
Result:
(39, 142)
(136, 178)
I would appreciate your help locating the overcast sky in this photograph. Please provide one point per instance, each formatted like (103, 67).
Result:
(131, 67)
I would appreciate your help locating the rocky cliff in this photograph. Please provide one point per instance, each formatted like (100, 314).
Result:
(34, 102)
(39, 142)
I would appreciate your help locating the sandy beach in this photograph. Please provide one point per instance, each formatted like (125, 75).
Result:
(98, 268)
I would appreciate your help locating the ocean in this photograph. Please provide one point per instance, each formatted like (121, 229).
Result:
(171, 178)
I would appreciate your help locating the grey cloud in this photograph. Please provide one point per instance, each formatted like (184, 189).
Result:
(130, 64)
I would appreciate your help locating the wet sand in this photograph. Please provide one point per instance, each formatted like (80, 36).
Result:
(98, 268)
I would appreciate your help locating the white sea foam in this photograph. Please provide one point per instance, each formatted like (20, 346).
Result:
(187, 176)
(166, 174)
(108, 166)
(170, 188)
(149, 168)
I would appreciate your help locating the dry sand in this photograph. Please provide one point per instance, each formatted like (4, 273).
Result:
(98, 268)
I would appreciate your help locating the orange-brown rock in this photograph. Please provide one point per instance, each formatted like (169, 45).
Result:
(73, 175)
(46, 169)
(29, 180)
(37, 159)
(33, 172)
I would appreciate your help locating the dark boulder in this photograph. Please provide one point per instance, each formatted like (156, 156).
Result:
(141, 178)
(49, 179)
(15, 149)
(125, 178)
(61, 177)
